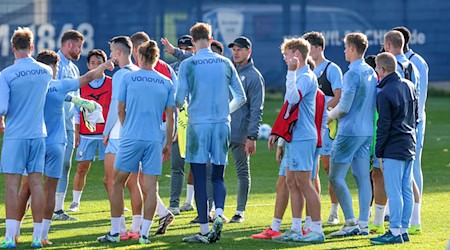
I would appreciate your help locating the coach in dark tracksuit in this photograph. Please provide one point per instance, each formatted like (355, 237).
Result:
(245, 121)
(395, 145)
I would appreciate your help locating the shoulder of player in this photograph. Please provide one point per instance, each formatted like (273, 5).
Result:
(333, 67)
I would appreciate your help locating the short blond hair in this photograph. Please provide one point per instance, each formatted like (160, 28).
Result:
(395, 38)
(359, 41)
(295, 44)
(387, 61)
(22, 38)
(201, 31)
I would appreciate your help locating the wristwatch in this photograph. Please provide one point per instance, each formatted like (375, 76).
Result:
(253, 138)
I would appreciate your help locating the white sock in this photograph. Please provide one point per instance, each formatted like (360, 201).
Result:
(219, 211)
(59, 201)
(189, 193)
(415, 218)
(146, 225)
(136, 223)
(122, 225)
(378, 220)
(204, 228)
(395, 231)
(77, 196)
(308, 222)
(316, 226)
(241, 213)
(386, 212)
(334, 209)
(18, 226)
(45, 228)
(10, 229)
(296, 225)
(276, 224)
(115, 225)
(363, 224)
(37, 230)
(161, 210)
(351, 222)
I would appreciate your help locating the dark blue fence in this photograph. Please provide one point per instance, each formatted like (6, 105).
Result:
(266, 23)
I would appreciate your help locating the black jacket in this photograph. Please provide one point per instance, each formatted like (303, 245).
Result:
(397, 109)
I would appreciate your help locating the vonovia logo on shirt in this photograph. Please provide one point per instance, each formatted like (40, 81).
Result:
(147, 79)
(208, 61)
(31, 72)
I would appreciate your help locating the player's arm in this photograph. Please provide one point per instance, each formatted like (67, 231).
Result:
(335, 100)
(383, 124)
(292, 95)
(351, 80)
(169, 133)
(4, 96)
(2, 124)
(255, 98)
(121, 112)
(334, 75)
(182, 88)
(237, 91)
(122, 98)
(96, 73)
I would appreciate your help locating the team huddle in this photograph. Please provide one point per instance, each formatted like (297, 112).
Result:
(372, 118)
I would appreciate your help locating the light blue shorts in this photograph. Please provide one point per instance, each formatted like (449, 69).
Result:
(206, 142)
(54, 160)
(113, 146)
(88, 148)
(301, 155)
(132, 151)
(346, 148)
(326, 142)
(23, 155)
(69, 148)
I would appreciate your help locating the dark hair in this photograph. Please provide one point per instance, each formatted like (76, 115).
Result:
(370, 59)
(311, 63)
(96, 52)
(217, 45)
(139, 37)
(72, 35)
(48, 57)
(405, 31)
(201, 31)
(22, 38)
(150, 52)
(124, 42)
(315, 39)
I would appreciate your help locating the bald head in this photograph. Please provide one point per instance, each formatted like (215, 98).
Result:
(394, 42)
(385, 64)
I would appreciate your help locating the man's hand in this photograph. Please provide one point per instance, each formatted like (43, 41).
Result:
(166, 152)
(271, 141)
(77, 139)
(105, 140)
(169, 48)
(279, 154)
(293, 63)
(250, 147)
(109, 65)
